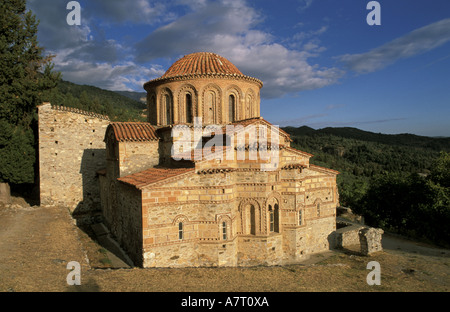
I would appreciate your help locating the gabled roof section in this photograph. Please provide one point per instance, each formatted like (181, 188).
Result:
(260, 121)
(296, 151)
(323, 169)
(153, 175)
(133, 131)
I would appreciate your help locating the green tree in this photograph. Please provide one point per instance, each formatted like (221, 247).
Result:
(26, 78)
(440, 171)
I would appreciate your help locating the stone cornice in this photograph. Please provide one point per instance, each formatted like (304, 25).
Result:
(79, 111)
(162, 80)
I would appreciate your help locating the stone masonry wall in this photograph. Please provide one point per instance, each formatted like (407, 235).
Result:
(71, 151)
(137, 156)
(202, 201)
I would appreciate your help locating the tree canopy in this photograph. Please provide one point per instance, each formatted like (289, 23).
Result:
(26, 77)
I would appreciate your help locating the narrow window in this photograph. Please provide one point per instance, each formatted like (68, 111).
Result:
(168, 109)
(271, 219)
(252, 220)
(300, 217)
(188, 108)
(276, 222)
(318, 209)
(231, 108)
(224, 230)
(180, 230)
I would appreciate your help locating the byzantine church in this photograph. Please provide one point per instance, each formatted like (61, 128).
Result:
(207, 210)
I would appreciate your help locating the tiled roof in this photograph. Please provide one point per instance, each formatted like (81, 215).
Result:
(201, 63)
(153, 175)
(133, 131)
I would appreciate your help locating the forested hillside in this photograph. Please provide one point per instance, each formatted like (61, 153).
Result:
(398, 182)
(117, 106)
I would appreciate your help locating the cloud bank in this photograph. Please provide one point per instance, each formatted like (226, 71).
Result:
(416, 42)
(229, 28)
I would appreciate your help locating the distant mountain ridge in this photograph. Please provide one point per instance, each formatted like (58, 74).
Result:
(137, 96)
(404, 139)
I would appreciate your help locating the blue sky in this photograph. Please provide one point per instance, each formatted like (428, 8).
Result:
(322, 65)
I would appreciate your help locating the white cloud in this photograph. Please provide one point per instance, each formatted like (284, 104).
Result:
(416, 42)
(126, 76)
(304, 4)
(229, 29)
(132, 11)
(226, 27)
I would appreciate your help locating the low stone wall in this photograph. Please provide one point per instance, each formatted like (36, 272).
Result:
(348, 236)
(369, 239)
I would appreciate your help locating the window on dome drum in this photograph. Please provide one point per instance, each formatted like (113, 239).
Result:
(210, 107)
(188, 108)
(224, 230)
(180, 230)
(168, 108)
(231, 108)
(248, 107)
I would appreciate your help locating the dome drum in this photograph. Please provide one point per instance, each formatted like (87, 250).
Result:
(202, 85)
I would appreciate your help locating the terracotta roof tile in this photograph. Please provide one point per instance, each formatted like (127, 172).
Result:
(133, 131)
(201, 63)
(153, 175)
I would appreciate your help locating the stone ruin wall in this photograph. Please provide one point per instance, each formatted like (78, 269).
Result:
(71, 151)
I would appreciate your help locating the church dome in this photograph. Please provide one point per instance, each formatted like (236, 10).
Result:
(204, 85)
(202, 63)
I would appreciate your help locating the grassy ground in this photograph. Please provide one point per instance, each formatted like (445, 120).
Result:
(37, 243)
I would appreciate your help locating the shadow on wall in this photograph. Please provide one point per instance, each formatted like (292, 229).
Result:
(88, 211)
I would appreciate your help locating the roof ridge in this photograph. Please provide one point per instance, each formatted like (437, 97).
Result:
(78, 111)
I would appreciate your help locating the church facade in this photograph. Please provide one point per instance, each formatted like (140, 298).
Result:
(217, 210)
(207, 181)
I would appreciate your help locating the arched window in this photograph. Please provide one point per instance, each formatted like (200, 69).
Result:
(209, 115)
(168, 109)
(271, 219)
(252, 220)
(180, 230)
(248, 107)
(224, 230)
(274, 219)
(318, 209)
(231, 108)
(188, 108)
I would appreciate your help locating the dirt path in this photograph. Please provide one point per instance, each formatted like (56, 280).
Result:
(36, 243)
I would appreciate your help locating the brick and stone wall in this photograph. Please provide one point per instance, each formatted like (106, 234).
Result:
(202, 200)
(71, 151)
